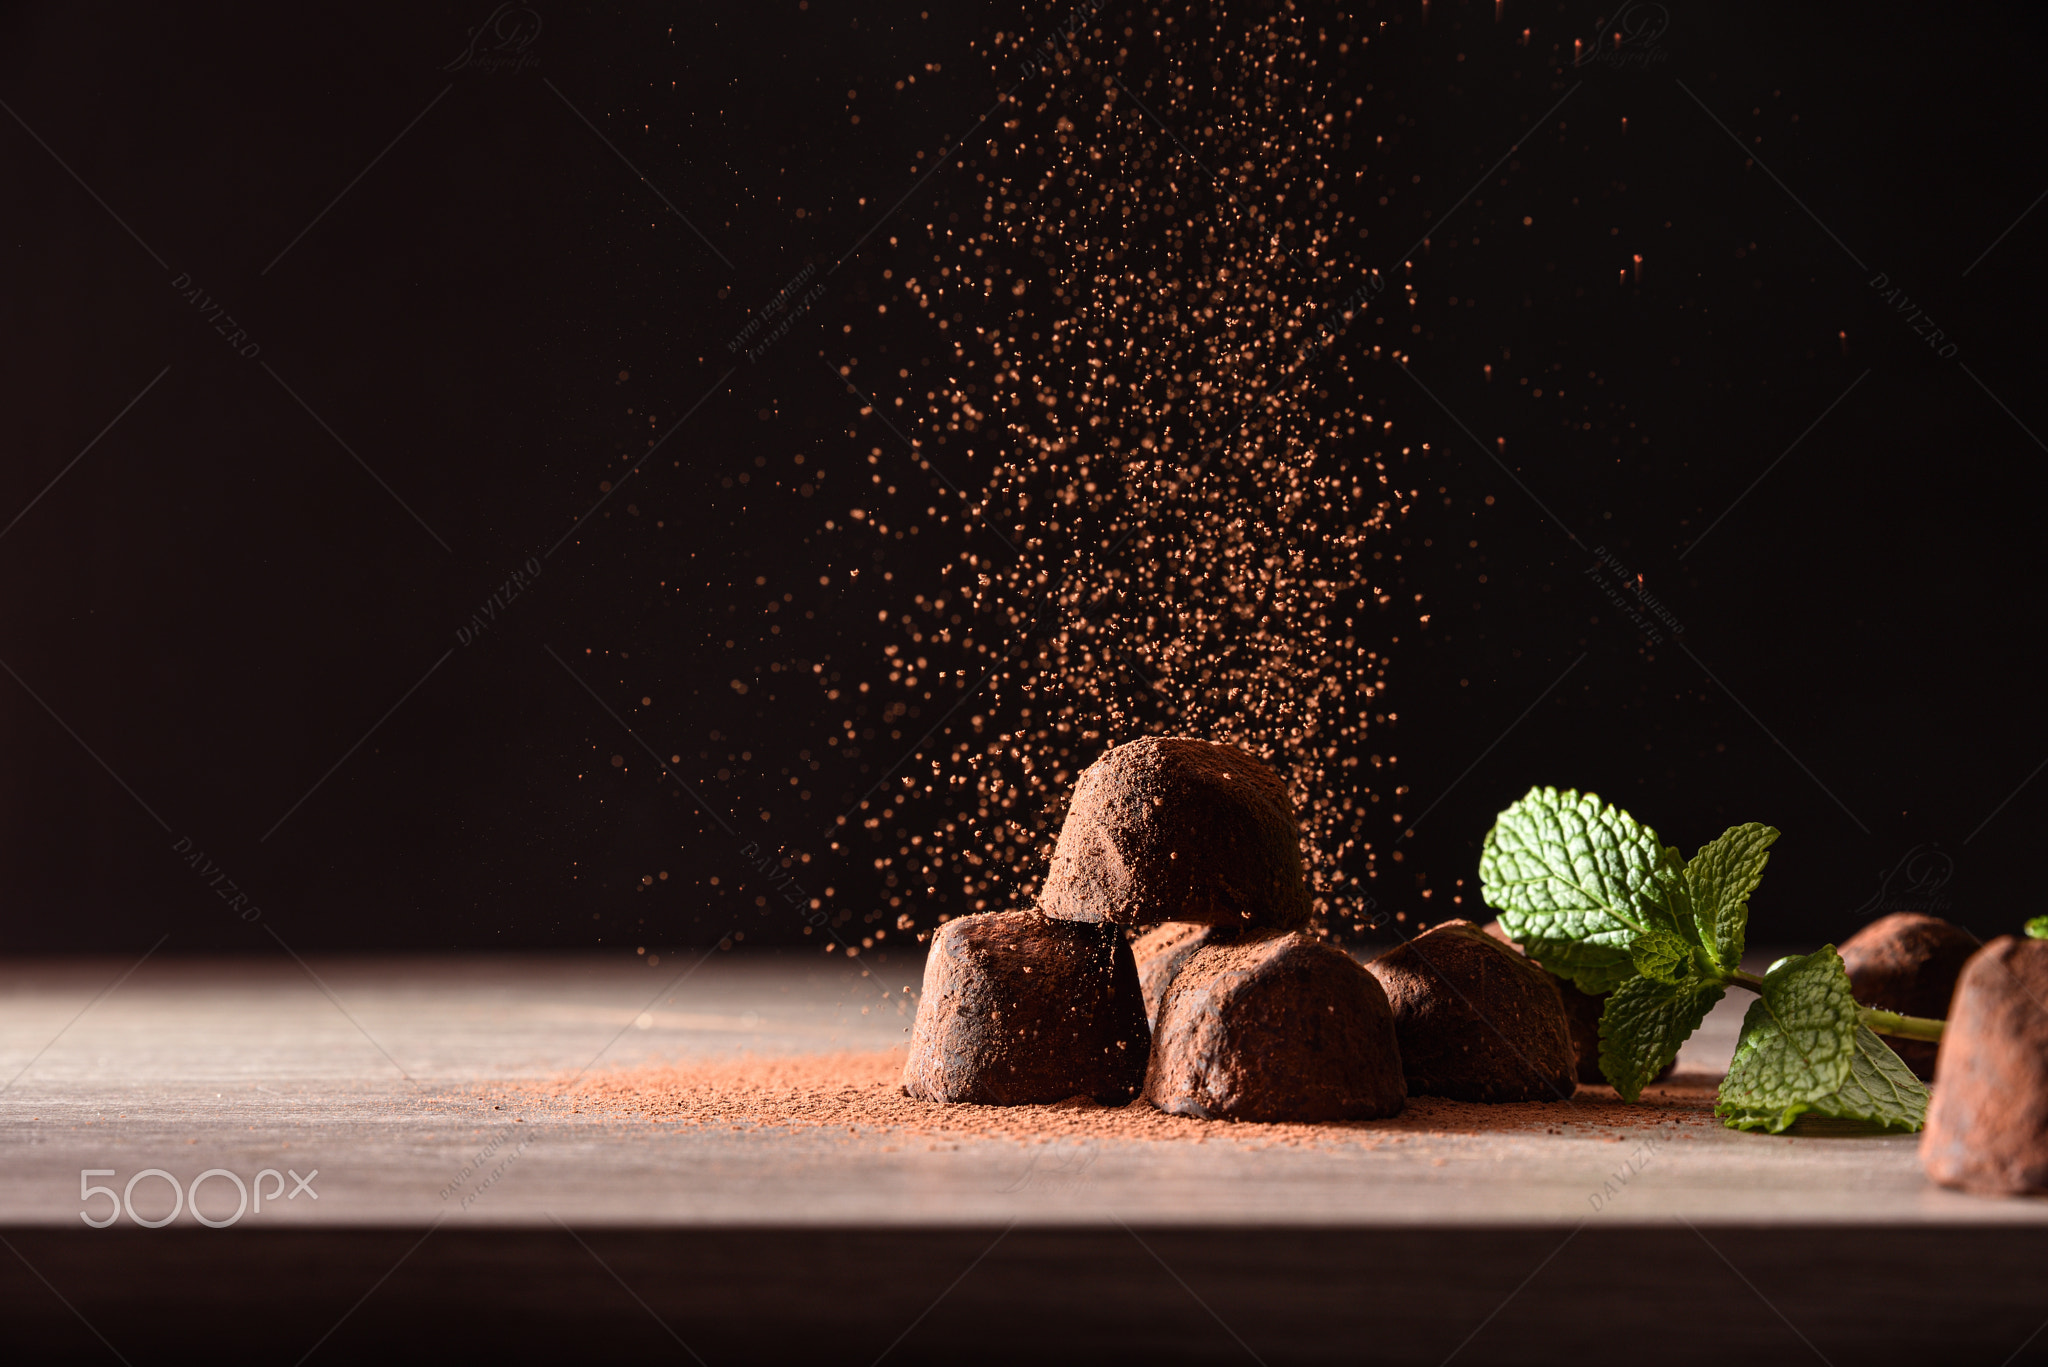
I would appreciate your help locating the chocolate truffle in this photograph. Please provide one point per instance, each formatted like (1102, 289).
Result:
(1987, 1128)
(1582, 1012)
(1018, 1009)
(1165, 829)
(1162, 950)
(1908, 963)
(1476, 1020)
(1275, 1027)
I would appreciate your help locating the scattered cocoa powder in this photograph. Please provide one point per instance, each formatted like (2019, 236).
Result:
(861, 1092)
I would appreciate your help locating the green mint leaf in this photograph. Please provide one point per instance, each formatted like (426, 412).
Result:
(2038, 928)
(1881, 1088)
(1593, 968)
(1645, 1022)
(1662, 957)
(1577, 882)
(1798, 1043)
(1720, 879)
(1881, 1092)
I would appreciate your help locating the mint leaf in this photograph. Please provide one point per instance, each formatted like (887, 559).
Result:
(1881, 1088)
(1645, 1022)
(1592, 968)
(1720, 879)
(1881, 1091)
(2037, 929)
(1577, 882)
(1662, 956)
(1798, 1044)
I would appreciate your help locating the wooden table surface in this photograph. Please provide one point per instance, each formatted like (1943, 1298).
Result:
(384, 1076)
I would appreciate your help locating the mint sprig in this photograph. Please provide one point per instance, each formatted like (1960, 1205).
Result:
(1596, 897)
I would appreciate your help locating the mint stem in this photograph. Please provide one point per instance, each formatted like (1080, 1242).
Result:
(1906, 1027)
(1883, 1022)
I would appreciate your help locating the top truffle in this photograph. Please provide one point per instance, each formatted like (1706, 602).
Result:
(1169, 829)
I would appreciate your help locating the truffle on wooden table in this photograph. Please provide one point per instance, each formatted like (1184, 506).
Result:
(1477, 1021)
(1987, 1127)
(1582, 1012)
(1168, 829)
(1162, 951)
(1908, 963)
(1275, 1026)
(1018, 1008)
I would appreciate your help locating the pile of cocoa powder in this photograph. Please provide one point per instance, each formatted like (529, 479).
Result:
(862, 1092)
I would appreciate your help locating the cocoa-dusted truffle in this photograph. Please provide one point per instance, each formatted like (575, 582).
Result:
(1275, 1027)
(1162, 950)
(1987, 1128)
(1582, 1012)
(1476, 1020)
(1166, 829)
(1018, 1008)
(1908, 963)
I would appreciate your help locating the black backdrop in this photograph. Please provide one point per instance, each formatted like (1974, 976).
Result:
(533, 232)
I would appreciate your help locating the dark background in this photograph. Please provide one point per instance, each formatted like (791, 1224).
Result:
(220, 602)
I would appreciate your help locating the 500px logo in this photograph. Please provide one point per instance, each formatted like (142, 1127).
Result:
(125, 1198)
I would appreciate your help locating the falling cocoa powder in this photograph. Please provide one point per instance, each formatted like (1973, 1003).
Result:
(1186, 440)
